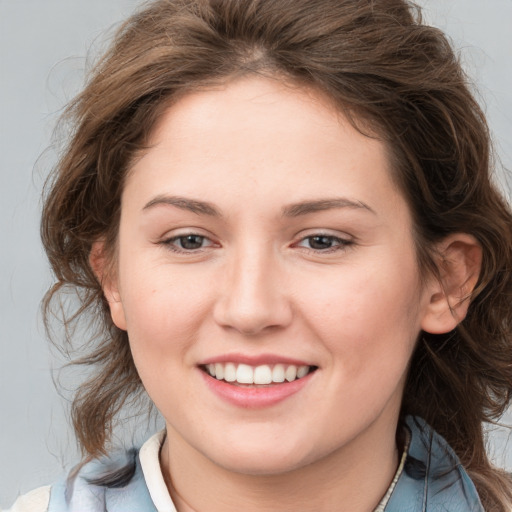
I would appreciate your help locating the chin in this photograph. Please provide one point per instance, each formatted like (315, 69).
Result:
(260, 464)
(264, 458)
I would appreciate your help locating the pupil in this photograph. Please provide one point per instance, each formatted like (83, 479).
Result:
(191, 242)
(321, 242)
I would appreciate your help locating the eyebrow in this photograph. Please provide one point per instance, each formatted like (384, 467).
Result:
(184, 203)
(293, 210)
(305, 207)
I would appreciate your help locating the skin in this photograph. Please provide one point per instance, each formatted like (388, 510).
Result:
(257, 286)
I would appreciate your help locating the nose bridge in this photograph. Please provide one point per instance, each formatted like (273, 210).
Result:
(253, 296)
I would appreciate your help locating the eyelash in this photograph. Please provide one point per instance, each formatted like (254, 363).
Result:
(170, 243)
(340, 244)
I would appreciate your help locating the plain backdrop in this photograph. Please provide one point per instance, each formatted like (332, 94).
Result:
(43, 45)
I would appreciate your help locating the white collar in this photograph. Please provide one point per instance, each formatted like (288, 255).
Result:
(149, 456)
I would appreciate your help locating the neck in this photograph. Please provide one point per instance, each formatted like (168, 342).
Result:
(353, 478)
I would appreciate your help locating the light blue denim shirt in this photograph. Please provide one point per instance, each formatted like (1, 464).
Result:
(432, 480)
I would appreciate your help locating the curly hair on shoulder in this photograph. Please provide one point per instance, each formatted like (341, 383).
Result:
(384, 69)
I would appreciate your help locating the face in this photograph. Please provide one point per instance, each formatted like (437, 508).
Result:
(267, 278)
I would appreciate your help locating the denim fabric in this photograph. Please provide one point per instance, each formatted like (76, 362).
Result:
(78, 495)
(433, 479)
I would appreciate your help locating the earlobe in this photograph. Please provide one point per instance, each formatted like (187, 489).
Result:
(100, 265)
(459, 263)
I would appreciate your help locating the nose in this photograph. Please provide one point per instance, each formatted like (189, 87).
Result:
(252, 298)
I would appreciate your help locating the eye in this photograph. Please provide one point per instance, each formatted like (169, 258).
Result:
(187, 243)
(324, 243)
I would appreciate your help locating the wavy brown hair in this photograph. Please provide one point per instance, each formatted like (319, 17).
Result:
(382, 68)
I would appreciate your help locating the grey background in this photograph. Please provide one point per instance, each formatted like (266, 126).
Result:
(43, 44)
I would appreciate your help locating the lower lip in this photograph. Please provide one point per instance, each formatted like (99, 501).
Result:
(249, 397)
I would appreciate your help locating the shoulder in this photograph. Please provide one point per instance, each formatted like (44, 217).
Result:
(34, 501)
(116, 483)
(113, 483)
(432, 475)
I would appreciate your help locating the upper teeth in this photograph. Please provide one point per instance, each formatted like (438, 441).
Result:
(264, 374)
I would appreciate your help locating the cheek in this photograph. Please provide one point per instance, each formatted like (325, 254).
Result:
(368, 317)
(163, 312)
(162, 326)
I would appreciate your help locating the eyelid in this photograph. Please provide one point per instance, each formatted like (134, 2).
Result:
(309, 233)
(179, 232)
(170, 238)
(344, 241)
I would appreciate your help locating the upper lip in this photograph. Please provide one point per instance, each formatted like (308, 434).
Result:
(255, 360)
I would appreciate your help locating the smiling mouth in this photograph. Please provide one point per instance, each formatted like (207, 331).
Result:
(262, 375)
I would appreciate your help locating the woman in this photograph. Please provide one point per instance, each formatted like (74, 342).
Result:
(280, 218)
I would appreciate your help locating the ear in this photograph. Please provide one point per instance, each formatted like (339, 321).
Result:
(459, 262)
(102, 268)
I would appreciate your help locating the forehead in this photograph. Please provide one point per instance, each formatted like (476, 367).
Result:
(242, 102)
(264, 137)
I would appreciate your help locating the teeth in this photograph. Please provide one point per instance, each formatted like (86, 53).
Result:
(229, 372)
(244, 374)
(219, 371)
(290, 373)
(302, 371)
(278, 373)
(260, 375)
